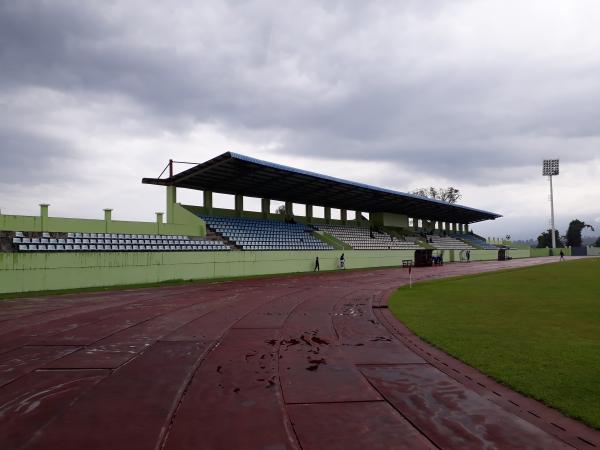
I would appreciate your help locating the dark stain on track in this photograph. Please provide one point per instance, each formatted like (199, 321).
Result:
(285, 363)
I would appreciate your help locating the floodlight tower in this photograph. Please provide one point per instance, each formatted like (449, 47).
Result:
(550, 168)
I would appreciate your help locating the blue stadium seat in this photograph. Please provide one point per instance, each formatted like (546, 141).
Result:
(262, 235)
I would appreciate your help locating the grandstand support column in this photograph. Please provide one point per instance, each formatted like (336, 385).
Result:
(171, 200)
(309, 213)
(265, 207)
(344, 216)
(239, 205)
(208, 202)
(416, 224)
(44, 216)
(358, 216)
(107, 219)
(289, 210)
(159, 222)
(466, 227)
(327, 214)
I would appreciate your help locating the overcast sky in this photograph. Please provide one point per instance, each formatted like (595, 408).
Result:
(474, 94)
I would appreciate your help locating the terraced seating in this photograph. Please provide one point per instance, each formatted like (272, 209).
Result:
(447, 243)
(476, 241)
(111, 242)
(255, 234)
(364, 239)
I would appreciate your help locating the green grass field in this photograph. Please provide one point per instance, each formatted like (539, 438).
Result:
(536, 329)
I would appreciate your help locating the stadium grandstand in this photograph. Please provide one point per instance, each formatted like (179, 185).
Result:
(203, 241)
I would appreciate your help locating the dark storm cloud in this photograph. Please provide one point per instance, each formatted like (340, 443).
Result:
(31, 159)
(349, 80)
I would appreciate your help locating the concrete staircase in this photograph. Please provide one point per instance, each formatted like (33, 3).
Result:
(212, 235)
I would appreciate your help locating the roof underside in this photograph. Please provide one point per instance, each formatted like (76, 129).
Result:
(232, 173)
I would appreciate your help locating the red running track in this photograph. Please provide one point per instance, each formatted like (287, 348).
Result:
(301, 362)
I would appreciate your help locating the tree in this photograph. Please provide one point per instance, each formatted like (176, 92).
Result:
(574, 232)
(449, 194)
(280, 210)
(597, 243)
(545, 239)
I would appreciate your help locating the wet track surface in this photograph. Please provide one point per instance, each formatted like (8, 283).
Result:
(299, 362)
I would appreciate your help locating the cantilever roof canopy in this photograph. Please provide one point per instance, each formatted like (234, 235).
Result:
(232, 173)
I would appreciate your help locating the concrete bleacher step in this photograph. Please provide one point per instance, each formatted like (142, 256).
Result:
(360, 238)
(214, 236)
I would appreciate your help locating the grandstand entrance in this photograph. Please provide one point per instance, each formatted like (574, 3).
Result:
(502, 255)
(423, 258)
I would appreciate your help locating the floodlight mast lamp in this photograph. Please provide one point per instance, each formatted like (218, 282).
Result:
(550, 168)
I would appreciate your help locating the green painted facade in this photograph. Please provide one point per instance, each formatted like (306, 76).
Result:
(593, 251)
(383, 219)
(184, 223)
(28, 272)
(541, 252)
(487, 255)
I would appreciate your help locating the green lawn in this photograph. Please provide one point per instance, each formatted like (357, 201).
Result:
(536, 329)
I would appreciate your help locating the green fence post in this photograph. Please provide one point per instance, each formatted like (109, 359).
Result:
(159, 221)
(44, 216)
(107, 219)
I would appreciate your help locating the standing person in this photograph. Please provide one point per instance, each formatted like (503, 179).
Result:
(562, 255)
(342, 262)
(468, 255)
(317, 268)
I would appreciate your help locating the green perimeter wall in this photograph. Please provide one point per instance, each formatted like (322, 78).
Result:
(26, 272)
(540, 252)
(487, 255)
